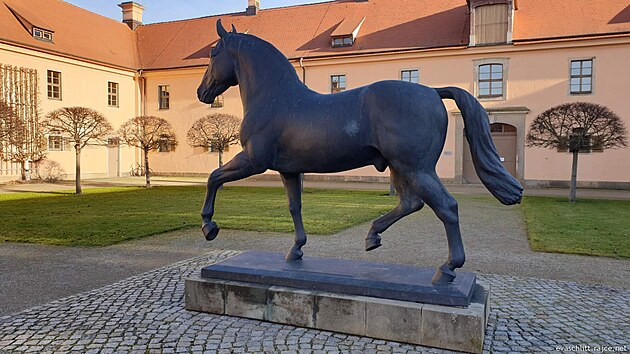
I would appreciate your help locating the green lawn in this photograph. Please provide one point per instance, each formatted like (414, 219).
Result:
(104, 216)
(590, 227)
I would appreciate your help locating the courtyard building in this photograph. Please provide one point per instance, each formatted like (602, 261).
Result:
(518, 57)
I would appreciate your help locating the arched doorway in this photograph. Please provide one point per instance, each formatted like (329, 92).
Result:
(504, 137)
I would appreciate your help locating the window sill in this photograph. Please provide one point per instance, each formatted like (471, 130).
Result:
(490, 99)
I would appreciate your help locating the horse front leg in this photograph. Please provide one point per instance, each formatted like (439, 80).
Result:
(293, 187)
(238, 168)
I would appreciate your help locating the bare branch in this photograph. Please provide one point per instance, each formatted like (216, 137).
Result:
(216, 130)
(578, 126)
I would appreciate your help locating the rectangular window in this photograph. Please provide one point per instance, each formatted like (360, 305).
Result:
(337, 83)
(112, 94)
(55, 143)
(581, 76)
(54, 85)
(218, 102)
(410, 76)
(490, 80)
(343, 41)
(164, 96)
(164, 145)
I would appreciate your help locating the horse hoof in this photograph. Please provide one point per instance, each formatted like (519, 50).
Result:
(210, 230)
(372, 243)
(443, 276)
(294, 255)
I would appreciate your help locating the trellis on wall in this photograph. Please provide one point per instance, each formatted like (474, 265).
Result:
(19, 89)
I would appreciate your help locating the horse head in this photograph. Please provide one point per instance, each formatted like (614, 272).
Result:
(221, 73)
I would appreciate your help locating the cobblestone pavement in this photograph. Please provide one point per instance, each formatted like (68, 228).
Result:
(145, 314)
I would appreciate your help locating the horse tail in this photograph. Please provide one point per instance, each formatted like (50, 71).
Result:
(487, 163)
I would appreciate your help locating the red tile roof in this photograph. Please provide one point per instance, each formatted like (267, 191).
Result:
(77, 32)
(299, 31)
(305, 31)
(543, 19)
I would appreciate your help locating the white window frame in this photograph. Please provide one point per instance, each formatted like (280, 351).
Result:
(168, 89)
(479, 62)
(571, 60)
(61, 141)
(50, 84)
(115, 95)
(400, 75)
(345, 81)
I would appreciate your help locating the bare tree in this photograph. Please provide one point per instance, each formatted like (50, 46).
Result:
(215, 132)
(82, 126)
(577, 127)
(148, 133)
(21, 141)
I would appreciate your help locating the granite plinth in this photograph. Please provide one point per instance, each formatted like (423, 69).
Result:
(448, 327)
(348, 277)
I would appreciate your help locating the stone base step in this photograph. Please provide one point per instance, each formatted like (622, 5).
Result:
(447, 327)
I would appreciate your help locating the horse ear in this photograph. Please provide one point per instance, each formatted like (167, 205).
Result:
(220, 29)
(234, 29)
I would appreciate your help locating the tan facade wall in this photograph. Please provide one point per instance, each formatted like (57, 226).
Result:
(83, 84)
(184, 110)
(537, 77)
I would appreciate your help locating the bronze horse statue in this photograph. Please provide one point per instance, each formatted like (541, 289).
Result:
(291, 129)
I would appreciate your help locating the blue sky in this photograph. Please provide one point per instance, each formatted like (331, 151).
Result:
(168, 10)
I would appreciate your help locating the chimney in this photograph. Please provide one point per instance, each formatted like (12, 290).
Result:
(132, 14)
(253, 6)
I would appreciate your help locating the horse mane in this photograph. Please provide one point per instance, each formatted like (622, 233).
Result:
(242, 44)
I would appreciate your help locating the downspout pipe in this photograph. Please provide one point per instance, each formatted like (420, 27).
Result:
(303, 70)
(143, 93)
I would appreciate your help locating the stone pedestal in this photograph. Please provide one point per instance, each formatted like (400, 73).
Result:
(459, 328)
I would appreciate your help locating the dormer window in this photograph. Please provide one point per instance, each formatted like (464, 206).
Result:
(346, 33)
(42, 34)
(491, 21)
(342, 41)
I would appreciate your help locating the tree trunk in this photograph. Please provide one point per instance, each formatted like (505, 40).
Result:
(147, 174)
(573, 190)
(23, 166)
(77, 178)
(220, 163)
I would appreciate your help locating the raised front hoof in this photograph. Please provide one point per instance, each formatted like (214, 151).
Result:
(294, 255)
(210, 230)
(372, 243)
(443, 276)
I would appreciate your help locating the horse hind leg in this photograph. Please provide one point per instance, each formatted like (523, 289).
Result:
(433, 192)
(293, 187)
(408, 202)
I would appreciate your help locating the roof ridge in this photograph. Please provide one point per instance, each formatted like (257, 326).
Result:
(239, 12)
(93, 13)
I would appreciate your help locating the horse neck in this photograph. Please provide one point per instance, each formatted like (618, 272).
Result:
(264, 74)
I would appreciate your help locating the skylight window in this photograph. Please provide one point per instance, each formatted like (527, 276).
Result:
(42, 34)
